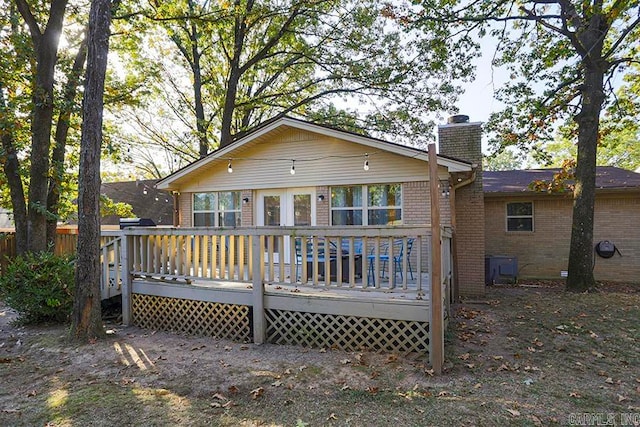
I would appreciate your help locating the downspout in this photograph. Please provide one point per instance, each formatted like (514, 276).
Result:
(454, 239)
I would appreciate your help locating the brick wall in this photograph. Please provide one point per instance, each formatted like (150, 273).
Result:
(416, 204)
(416, 210)
(544, 253)
(322, 207)
(186, 214)
(247, 208)
(463, 141)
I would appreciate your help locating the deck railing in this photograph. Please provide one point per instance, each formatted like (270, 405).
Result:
(344, 257)
(111, 273)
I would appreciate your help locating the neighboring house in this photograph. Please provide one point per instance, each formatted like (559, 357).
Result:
(145, 199)
(535, 227)
(292, 172)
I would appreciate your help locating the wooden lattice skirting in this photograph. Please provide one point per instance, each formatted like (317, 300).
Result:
(233, 322)
(226, 321)
(348, 333)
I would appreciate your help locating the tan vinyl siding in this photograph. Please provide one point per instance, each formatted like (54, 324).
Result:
(320, 160)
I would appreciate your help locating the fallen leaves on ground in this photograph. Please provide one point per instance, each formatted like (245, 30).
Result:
(256, 393)
(513, 412)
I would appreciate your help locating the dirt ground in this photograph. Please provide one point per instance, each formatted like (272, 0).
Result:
(525, 355)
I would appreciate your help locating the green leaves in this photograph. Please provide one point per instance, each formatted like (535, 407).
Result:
(39, 287)
(330, 61)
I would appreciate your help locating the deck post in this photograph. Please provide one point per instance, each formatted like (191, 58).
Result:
(436, 328)
(125, 274)
(259, 329)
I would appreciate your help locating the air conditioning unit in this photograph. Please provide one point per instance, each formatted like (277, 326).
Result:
(500, 269)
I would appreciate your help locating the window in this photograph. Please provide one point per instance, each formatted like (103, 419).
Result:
(381, 206)
(217, 209)
(520, 216)
(385, 204)
(346, 205)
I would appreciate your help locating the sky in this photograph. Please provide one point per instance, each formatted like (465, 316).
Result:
(478, 102)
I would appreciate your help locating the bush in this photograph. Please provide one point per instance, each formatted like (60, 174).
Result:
(40, 287)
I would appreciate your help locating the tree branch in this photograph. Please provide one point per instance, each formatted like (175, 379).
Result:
(30, 20)
(623, 35)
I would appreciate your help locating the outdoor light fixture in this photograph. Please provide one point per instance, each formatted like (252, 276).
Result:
(445, 188)
(229, 167)
(321, 198)
(245, 200)
(293, 167)
(366, 161)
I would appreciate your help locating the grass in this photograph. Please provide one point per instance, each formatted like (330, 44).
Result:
(526, 356)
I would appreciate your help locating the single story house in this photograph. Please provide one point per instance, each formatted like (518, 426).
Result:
(535, 227)
(296, 173)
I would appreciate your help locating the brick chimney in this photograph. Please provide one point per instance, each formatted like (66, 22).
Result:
(461, 139)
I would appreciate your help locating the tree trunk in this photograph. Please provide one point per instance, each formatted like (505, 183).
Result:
(62, 130)
(11, 169)
(239, 33)
(226, 137)
(46, 50)
(201, 126)
(87, 322)
(581, 262)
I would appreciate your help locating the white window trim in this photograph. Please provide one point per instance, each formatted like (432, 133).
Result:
(507, 217)
(216, 211)
(365, 208)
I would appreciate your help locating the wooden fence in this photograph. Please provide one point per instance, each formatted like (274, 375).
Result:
(65, 243)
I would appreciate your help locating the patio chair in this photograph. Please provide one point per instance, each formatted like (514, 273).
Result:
(384, 258)
(309, 258)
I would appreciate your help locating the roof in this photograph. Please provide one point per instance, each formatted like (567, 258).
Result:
(273, 126)
(517, 181)
(146, 200)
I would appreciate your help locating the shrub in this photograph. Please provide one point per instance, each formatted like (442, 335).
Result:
(39, 287)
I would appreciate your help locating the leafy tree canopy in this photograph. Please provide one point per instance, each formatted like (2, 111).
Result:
(226, 67)
(564, 57)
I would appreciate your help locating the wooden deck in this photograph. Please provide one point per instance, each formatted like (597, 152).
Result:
(229, 283)
(399, 304)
